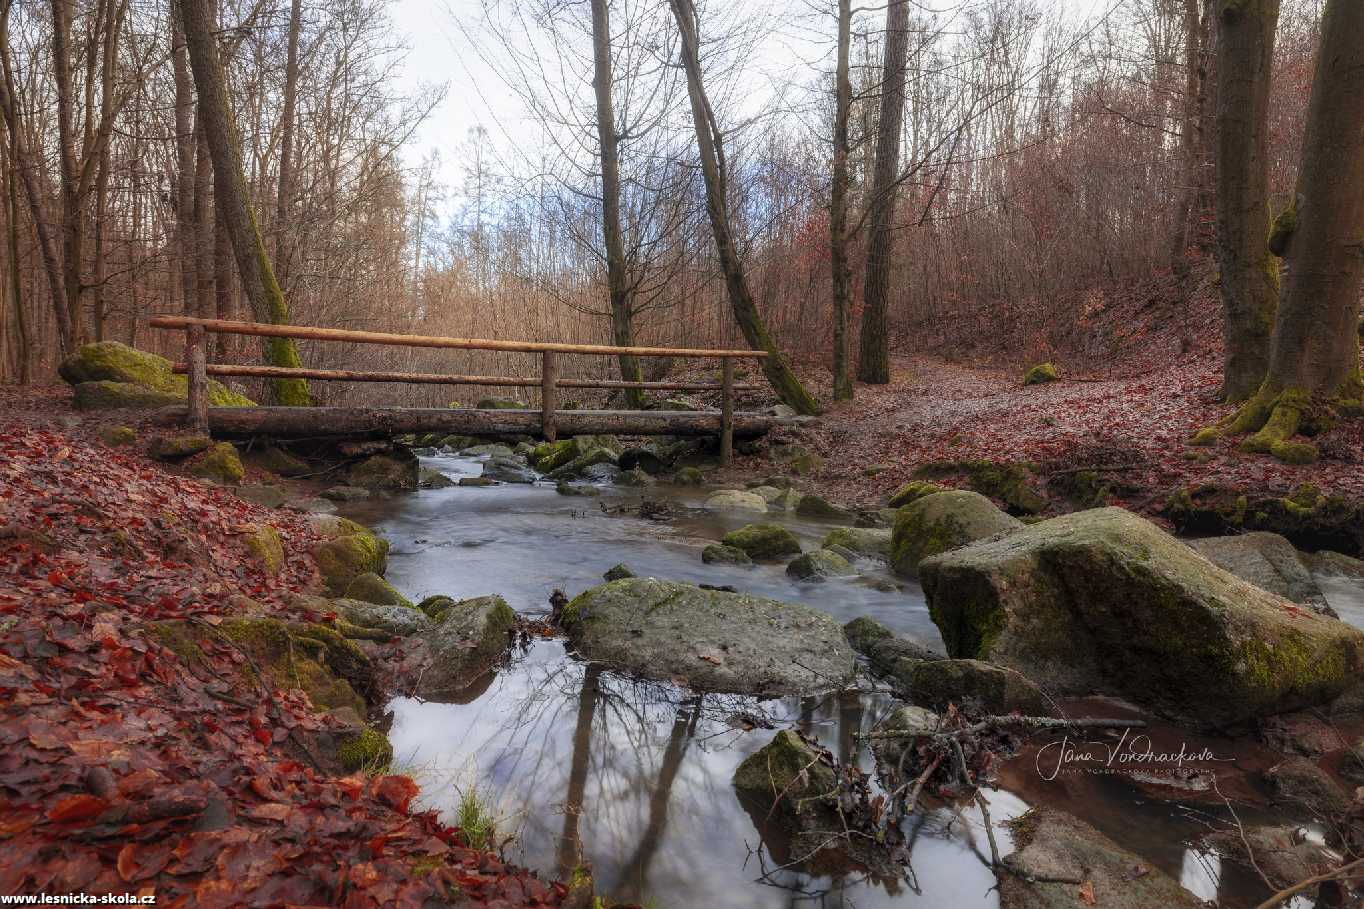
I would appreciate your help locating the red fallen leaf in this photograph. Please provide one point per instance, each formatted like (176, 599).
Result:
(352, 786)
(395, 791)
(76, 808)
(15, 826)
(263, 736)
(1087, 893)
(137, 862)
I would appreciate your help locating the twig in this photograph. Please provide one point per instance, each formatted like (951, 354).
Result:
(1341, 873)
(989, 830)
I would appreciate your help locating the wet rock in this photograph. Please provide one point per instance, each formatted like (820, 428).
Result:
(110, 374)
(763, 541)
(1060, 862)
(488, 450)
(1308, 518)
(736, 500)
(970, 683)
(345, 493)
(565, 488)
(345, 557)
(1302, 733)
(819, 565)
(508, 470)
(882, 647)
(716, 640)
(178, 446)
(264, 496)
(395, 470)
(1103, 600)
(580, 465)
(634, 477)
(908, 725)
(277, 460)
(219, 464)
(720, 554)
(942, 522)
(644, 458)
(1301, 784)
(1268, 561)
(430, 478)
(689, 476)
(865, 541)
(471, 637)
(455, 443)
(789, 777)
(842, 552)
(477, 481)
(813, 506)
(1283, 854)
(391, 619)
(1335, 564)
(369, 587)
(313, 505)
(618, 572)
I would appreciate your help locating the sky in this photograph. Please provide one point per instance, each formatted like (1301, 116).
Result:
(443, 38)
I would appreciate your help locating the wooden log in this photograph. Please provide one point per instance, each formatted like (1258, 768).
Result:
(262, 329)
(198, 378)
(418, 378)
(549, 397)
(304, 422)
(727, 414)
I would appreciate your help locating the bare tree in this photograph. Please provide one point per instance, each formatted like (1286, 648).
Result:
(838, 208)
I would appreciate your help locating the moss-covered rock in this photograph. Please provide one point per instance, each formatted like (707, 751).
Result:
(797, 459)
(617, 572)
(884, 649)
(970, 683)
(392, 619)
(720, 554)
(763, 541)
(370, 587)
(1205, 437)
(787, 774)
(813, 506)
(819, 565)
(119, 370)
(736, 500)
(1105, 601)
(471, 637)
(913, 491)
(117, 436)
(178, 446)
(1309, 519)
(499, 404)
(436, 605)
(220, 464)
(689, 476)
(1007, 482)
(397, 469)
(368, 750)
(549, 456)
(266, 546)
(277, 460)
(345, 557)
(718, 640)
(873, 542)
(942, 522)
(1040, 374)
(579, 465)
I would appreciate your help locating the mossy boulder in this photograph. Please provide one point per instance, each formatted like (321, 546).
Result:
(499, 404)
(1060, 862)
(913, 491)
(345, 557)
(265, 544)
(736, 500)
(392, 619)
(178, 446)
(370, 587)
(1105, 601)
(942, 522)
(277, 460)
(873, 542)
(970, 683)
(813, 506)
(117, 436)
(618, 572)
(123, 376)
(689, 476)
(220, 464)
(580, 464)
(470, 638)
(819, 565)
(884, 649)
(368, 750)
(720, 554)
(1008, 482)
(789, 777)
(548, 456)
(763, 541)
(1268, 561)
(717, 640)
(1308, 518)
(645, 458)
(436, 605)
(397, 469)
(1040, 374)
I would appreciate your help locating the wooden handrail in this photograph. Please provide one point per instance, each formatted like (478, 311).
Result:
(418, 378)
(261, 329)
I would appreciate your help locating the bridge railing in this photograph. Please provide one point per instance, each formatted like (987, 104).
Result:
(198, 369)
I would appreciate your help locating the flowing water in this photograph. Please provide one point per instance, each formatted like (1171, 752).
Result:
(633, 778)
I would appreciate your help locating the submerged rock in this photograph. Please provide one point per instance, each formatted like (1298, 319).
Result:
(819, 565)
(716, 640)
(1282, 854)
(508, 470)
(471, 637)
(1302, 785)
(720, 554)
(763, 541)
(942, 522)
(1103, 600)
(736, 500)
(1060, 862)
(1268, 561)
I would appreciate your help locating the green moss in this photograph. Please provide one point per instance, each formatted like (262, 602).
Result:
(369, 587)
(718, 553)
(1208, 435)
(1039, 374)
(763, 541)
(221, 464)
(368, 751)
(276, 460)
(1009, 482)
(553, 455)
(499, 404)
(689, 476)
(267, 546)
(175, 446)
(1295, 452)
(117, 436)
(913, 491)
(1285, 225)
(112, 362)
(435, 606)
(342, 559)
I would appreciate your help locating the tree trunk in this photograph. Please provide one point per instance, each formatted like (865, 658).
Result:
(1250, 283)
(288, 118)
(187, 233)
(1314, 360)
(874, 353)
(838, 209)
(232, 200)
(16, 293)
(1180, 227)
(73, 211)
(710, 147)
(617, 281)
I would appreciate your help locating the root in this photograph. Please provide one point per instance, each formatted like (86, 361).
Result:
(1274, 416)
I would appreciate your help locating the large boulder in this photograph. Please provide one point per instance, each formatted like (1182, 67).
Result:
(763, 541)
(719, 553)
(390, 619)
(1268, 561)
(220, 464)
(736, 500)
(397, 469)
(819, 565)
(1103, 600)
(581, 464)
(1060, 862)
(716, 640)
(471, 637)
(110, 374)
(970, 683)
(508, 470)
(864, 541)
(347, 555)
(370, 587)
(942, 522)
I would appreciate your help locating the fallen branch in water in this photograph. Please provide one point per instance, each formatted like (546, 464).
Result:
(1344, 872)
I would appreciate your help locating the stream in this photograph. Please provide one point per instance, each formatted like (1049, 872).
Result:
(583, 766)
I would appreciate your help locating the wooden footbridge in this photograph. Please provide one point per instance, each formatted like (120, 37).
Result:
(549, 421)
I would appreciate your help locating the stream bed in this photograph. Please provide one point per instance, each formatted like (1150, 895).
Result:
(583, 766)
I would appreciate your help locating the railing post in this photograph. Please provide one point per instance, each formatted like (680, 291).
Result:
(196, 360)
(727, 413)
(549, 394)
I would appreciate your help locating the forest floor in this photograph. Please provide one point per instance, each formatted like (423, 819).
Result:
(123, 769)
